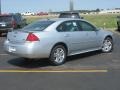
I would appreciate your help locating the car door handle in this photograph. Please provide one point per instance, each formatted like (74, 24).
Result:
(67, 35)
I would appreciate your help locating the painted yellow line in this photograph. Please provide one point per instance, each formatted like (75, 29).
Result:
(53, 71)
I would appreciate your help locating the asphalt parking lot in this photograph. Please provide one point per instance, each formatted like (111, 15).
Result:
(90, 71)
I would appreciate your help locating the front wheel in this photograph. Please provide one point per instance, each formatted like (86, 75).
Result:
(58, 55)
(107, 45)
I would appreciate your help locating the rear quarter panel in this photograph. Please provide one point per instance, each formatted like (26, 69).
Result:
(48, 40)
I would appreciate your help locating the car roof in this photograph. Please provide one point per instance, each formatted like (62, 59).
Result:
(69, 12)
(11, 14)
(62, 19)
(5, 15)
(68, 19)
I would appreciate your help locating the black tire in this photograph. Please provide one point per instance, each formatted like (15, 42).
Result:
(58, 57)
(0, 34)
(118, 26)
(18, 26)
(107, 45)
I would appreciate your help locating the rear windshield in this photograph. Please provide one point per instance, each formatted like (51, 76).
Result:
(69, 15)
(38, 26)
(5, 18)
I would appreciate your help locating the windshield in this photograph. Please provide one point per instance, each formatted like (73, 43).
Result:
(38, 26)
(69, 15)
(5, 18)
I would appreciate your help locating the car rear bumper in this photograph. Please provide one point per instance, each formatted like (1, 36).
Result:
(26, 50)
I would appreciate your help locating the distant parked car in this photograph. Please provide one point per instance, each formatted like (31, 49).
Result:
(56, 39)
(42, 13)
(69, 15)
(11, 21)
(118, 22)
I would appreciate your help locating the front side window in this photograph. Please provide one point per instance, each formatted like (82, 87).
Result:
(68, 26)
(85, 26)
(38, 26)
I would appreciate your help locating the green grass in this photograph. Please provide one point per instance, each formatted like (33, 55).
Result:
(103, 21)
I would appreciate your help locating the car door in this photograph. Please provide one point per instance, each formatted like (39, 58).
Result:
(90, 35)
(72, 36)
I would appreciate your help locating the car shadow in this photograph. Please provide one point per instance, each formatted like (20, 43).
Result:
(84, 55)
(22, 63)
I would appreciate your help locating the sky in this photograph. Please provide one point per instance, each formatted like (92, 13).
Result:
(14, 6)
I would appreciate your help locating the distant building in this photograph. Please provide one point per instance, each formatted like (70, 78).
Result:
(110, 11)
(28, 13)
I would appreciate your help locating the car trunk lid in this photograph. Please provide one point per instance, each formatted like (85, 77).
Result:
(17, 36)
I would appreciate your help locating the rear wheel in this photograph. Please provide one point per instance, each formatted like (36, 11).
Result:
(58, 55)
(107, 45)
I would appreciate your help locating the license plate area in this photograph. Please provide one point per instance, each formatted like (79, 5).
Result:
(11, 49)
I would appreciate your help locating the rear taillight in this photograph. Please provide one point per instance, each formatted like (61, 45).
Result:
(14, 24)
(32, 37)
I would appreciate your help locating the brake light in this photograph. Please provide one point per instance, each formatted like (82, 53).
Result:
(32, 37)
(14, 24)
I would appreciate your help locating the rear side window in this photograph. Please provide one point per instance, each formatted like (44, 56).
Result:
(38, 26)
(68, 26)
(5, 18)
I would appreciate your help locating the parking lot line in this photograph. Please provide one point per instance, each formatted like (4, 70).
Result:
(53, 71)
(3, 54)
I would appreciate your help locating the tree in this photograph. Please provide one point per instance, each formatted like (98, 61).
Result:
(97, 10)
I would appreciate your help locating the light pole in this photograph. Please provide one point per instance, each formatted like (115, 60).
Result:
(71, 5)
(0, 6)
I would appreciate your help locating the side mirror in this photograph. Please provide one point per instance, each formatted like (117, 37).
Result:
(99, 28)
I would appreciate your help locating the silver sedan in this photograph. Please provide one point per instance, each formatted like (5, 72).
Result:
(56, 39)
